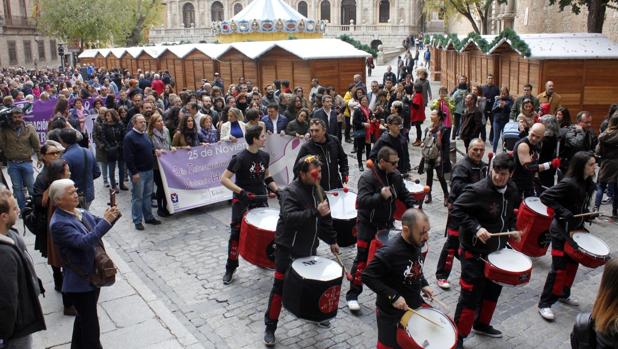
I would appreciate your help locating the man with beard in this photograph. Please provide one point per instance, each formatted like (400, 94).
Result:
(396, 141)
(327, 114)
(270, 98)
(207, 109)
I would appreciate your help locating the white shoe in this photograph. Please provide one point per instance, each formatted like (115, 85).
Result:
(569, 301)
(547, 314)
(353, 305)
(443, 284)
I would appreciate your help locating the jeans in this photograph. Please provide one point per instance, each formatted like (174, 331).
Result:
(110, 168)
(22, 175)
(612, 191)
(103, 166)
(141, 193)
(498, 125)
(456, 125)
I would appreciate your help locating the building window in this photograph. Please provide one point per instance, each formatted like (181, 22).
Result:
(385, 11)
(302, 8)
(12, 52)
(348, 11)
(188, 15)
(216, 11)
(325, 10)
(237, 8)
(53, 48)
(27, 51)
(41, 48)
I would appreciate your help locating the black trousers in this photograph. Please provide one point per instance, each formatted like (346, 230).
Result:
(431, 166)
(58, 277)
(478, 297)
(348, 127)
(387, 330)
(360, 144)
(419, 132)
(449, 252)
(561, 276)
(366, 232)
(160, 193)
(86, 330)
(283, 260)
(238, 210)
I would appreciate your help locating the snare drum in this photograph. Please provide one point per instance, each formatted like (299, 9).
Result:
(257, 236)
(533, 220)
(343, 211)
(508, 267)
(311, 288)
(591, 252)
(417, 191)
(415, 332)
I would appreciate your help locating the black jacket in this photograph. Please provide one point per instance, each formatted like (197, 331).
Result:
(20, 310)
(372, 207)
(568, 197)
(300, 223)
(396, 270)
(331, 120)
(334, 161)
(398, 144)
(482, 205)
(465, 172)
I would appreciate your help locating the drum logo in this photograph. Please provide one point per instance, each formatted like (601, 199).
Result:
(329, 300)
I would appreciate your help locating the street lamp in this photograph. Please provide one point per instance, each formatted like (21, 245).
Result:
(61, 54)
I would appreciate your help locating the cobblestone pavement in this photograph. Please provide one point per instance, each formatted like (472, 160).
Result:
(182, 262)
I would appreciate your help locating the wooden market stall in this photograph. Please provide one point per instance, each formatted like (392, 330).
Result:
(241, 60)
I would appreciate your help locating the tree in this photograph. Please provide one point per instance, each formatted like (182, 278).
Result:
(596, 11)
(475, 11)
(141, 15)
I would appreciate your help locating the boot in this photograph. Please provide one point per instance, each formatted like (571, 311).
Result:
(615, 213)
(428, 198)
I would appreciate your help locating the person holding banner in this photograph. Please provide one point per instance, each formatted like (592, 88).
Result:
(250, 167)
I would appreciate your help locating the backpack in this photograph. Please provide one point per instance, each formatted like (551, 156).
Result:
(429, 147)
(32, 221)
(583, 335)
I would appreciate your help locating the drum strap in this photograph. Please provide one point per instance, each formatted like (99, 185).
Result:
(405, 318)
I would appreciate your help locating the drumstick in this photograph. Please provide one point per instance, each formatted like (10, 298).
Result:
(348, 276)
(440, 303)
(424, 317)
(557, 155)
(504, 233)
(586, 214)
(318, 188)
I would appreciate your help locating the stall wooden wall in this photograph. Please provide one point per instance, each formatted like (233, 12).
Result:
(99, 61)
(278, 64)
(87, 61)
(477, 65)
(435, 63)
(128, 62)
(197, 66)
(112, 62)
(146, 62)
(338, 73)
(170, 62)
(233, 64)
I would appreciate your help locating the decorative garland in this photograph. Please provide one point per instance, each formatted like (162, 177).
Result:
(358, 44)
(516, 42)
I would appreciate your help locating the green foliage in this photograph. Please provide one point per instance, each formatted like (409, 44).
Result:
(475, 11)
(508, 33)
(482, 44)
(358, 44)
(516, 42)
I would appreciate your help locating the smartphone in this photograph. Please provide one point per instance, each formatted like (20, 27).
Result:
(112, 197)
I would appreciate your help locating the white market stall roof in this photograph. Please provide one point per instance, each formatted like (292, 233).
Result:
(302, 48)
(268, 10)
(567, 46)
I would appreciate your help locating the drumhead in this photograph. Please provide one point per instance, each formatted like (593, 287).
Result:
(536, 205)
(590, 243)
(264, 218)
(428, 335)
(342, 204)
(397, 225)
(413, 187)
(425, 247)
(510, 260)
(317, 268)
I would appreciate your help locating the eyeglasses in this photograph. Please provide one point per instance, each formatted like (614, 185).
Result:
(394, 163)
(53, 153)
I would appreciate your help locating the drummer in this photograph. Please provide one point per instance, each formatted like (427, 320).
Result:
(569, 197)
(483, 208)
(304, 217)
(249, 189)
(468, 170)
(526, 155)
(330, 152)
(377, 191)
(395, 274)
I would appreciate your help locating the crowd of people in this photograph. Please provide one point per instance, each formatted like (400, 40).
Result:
(137, 118)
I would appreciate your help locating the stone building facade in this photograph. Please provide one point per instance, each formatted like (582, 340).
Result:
(534, 16)
(370, 21)
(21, 44)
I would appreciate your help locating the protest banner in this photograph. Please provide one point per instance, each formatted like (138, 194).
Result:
(191, 177)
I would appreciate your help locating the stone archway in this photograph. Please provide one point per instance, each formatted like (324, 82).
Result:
(375, 43)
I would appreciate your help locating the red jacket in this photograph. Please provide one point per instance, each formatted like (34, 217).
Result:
(417, 109)
(158, 86)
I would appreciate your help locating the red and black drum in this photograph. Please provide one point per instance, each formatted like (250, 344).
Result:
(343, 211)
(415, 332)
(417, 191)
(383, 236)
(508, 267)
(311, 288)
(591, 251)
(257, 236)
(533, 220)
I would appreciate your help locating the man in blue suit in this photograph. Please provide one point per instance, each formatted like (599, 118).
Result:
(83, 166)
(275, 122)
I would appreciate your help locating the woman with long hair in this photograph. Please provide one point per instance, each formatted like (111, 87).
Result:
(361, 121)
(434, 134)
(607, 150)
(113, 135)
(186, 136)
(161, 142)
(571, 196)
(563, 116)
(234, 127)
(605, 309)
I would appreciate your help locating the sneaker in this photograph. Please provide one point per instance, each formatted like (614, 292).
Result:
(139, 226)
(227, 279)
(153, 221)
(443, 284)
(324, 324)
(606, 201)
(70, 311)
(547, 314)
(488, 331)
(269, 338)
(353, 305)
(162, 213)
(569, 301)
(123, 187)
(106, 185)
